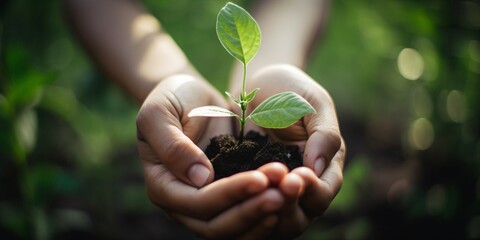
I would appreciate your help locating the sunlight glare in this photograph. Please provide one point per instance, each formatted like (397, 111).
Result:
(410, 64)
(456, 106)
(421, 134)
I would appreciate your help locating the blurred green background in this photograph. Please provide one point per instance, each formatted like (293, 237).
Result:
(405, 77)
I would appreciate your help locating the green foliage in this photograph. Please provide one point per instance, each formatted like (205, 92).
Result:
(52, 141)
(280, 110)
(250, 96)
(211, 111)
(80, 176)
(240, 36)
(238, 32)
(233, 98)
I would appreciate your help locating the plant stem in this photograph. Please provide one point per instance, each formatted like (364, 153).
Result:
(243, 103)
(244, 81)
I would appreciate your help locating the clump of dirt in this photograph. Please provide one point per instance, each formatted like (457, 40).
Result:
(229, 156)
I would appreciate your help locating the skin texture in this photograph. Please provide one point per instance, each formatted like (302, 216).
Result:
(129, 45)
(308, 190)
(239, 205)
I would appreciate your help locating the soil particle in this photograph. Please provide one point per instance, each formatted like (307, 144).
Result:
(229, 156)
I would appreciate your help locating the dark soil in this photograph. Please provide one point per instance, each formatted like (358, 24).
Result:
(229, 156)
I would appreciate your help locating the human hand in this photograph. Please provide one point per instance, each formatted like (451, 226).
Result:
(174, 166)
(308, 190)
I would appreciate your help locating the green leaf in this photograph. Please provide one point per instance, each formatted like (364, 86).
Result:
(251, 95)
(238, 32)
(234, 99)
(211, 111)
(281, 110)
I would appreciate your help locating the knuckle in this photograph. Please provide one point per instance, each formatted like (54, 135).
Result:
(174, 147)
(143, 118)
(339, 182)
(139, 122)
(335, 181)
(146, 153)
(333, 137)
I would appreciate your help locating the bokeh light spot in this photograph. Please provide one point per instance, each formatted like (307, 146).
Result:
(456, 106)
(410, 64)
(421, 134)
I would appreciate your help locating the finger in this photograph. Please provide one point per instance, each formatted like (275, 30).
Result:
(168, 192)
(236, 220)
(292, 222)
(319, 192)
(292, 187)
(261, 230)
(274, 171)
(292, 219)
(320, 148)
(324, 138)
(179, 154)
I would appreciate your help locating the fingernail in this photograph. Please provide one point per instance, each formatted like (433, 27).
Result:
(198, 174)
(319, 166)
(258, 185)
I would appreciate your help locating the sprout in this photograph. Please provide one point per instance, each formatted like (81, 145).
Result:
(240, 36)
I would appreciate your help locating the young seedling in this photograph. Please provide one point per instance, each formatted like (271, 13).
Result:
(240, 36)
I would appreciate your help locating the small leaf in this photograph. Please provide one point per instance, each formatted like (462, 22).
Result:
(234, 99)
(211, 111)
(251, 95)
(281, 110)
(238, 32)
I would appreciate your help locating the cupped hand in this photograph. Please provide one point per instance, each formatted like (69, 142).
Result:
(168, 136)
(176, 170)
(308, 190)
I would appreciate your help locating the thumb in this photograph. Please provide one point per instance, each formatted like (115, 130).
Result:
(171, 147)
(320, 148)
(161, 136)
